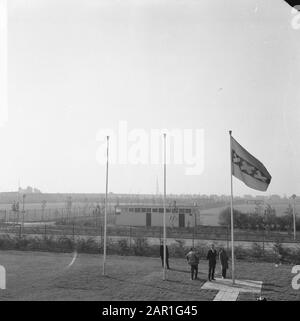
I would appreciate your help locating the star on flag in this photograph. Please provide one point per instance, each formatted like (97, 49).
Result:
(248, 169)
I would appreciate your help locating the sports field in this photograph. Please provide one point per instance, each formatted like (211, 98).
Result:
(46, 276)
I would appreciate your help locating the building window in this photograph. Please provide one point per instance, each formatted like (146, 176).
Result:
(137, 210)
(161, 210)
(154, 210)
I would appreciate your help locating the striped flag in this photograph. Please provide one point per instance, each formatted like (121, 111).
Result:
(247, 168)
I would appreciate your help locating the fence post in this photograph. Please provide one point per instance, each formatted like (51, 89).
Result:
(194, 236)
(227, 237)
(7, 225)
(101, 236)
(160, 228)
(263, 242)
(130, 237)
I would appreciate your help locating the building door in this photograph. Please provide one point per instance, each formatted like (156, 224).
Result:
(181, 220)
(148, 219)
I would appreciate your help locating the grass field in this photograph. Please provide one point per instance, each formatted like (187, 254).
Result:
(46, 276)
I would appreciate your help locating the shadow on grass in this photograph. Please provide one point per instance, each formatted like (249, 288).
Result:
(196, 283)
(273, 285)
(179, 270)
(272, 290)
(188, 271)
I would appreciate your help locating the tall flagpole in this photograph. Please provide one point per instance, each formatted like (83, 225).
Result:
(165, 231)
(231, 213)
(294, 216)
(105, 209)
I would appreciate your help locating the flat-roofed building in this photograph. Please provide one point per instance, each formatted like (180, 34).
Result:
(147, 215)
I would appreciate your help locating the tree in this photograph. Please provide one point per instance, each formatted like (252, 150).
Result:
(288, 217)
(225, 217)
(270, 218)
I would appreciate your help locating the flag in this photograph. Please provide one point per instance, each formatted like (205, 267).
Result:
(247, 168)
(294, 3)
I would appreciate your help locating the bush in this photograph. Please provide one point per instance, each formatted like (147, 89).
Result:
(241, 253)
(140, 246)
(178, 249)
(281, 253)
(65, 243)
(7, 243)
(123, 247)
(87, 246)
(202, 251)
(257, 250)
(21, 243)
(47, 243)
(296, 256)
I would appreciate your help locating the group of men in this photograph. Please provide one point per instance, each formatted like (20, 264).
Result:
(193, 260)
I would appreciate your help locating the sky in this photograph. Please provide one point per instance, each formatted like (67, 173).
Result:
(76, 67)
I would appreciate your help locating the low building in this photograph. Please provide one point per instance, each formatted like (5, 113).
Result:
(147, 215)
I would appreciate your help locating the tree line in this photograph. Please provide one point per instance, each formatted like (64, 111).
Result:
(268, 220)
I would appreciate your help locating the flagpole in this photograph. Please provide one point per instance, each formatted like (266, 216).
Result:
(105, 209)
(231, 214)
(164, 220)
(294, 216)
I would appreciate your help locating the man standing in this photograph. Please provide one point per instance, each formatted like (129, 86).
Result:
(224, 262)
(193, 261)
(212, 260)
(161, 249)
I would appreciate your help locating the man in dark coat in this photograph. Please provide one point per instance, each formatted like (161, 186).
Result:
(212, 260)
(162, 255)
(224, 262)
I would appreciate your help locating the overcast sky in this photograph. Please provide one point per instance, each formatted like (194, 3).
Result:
(76, 67)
